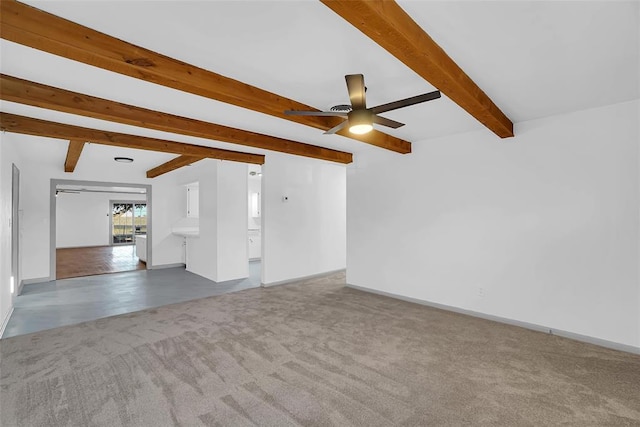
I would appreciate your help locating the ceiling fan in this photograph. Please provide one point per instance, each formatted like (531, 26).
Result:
(360, 118)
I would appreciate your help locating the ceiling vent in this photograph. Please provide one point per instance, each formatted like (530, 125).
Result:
(341, 108)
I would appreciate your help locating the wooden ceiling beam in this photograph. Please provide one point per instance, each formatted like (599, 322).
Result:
(386, 23)
(29, 26)
(37, 127)
(73, 154)
(38, 95)
(172, 164)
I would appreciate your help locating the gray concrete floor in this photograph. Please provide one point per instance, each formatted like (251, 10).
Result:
(69, 301)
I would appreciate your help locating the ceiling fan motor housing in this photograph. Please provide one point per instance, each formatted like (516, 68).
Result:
(360, 117)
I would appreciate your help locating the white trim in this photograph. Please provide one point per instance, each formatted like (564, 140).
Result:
(31, 282)
(163, 266)
(299, 279)
(532, 326)
(34, 280)
(5, 322)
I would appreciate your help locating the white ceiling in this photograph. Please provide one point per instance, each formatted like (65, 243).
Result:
(533, 58)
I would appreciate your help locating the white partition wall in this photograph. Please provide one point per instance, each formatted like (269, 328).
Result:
(542, 228)
(219, 253)
(232, 221)
(202, 251)
(304, 217)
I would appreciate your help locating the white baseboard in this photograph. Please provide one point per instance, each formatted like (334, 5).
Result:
(5, 322)
(31, 282)
(532, 326)
(162, 266)
(34, 280)
(299, 279)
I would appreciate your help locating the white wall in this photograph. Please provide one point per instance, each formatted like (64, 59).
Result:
(5, 246)
(307, 234)
(219, 253)
(202, 251)
(82, 219)
(8, 156)
(546, 223)
(233, 252)
(169, 205)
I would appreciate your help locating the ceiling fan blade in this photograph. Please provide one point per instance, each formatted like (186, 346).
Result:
(387, 122)
(355, 86)
(336, 128)
(316, 113)
(406, 102)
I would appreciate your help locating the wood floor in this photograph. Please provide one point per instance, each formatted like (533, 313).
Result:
(77, 262)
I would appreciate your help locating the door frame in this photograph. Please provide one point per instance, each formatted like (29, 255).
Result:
(52, 217)
(15, 232)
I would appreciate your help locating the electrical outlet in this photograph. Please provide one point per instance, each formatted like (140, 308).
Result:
(481, 292)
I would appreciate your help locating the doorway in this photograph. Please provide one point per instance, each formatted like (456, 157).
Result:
(99, 228)
(254, 221)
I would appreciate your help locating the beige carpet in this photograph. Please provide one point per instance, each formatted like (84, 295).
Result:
(313, 353)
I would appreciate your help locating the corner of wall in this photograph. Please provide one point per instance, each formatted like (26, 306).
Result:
(544, 229)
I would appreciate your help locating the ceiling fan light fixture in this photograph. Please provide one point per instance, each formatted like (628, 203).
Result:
(360, 121)
(361, 129)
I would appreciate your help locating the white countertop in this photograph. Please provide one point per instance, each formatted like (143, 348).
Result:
(186, 233)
